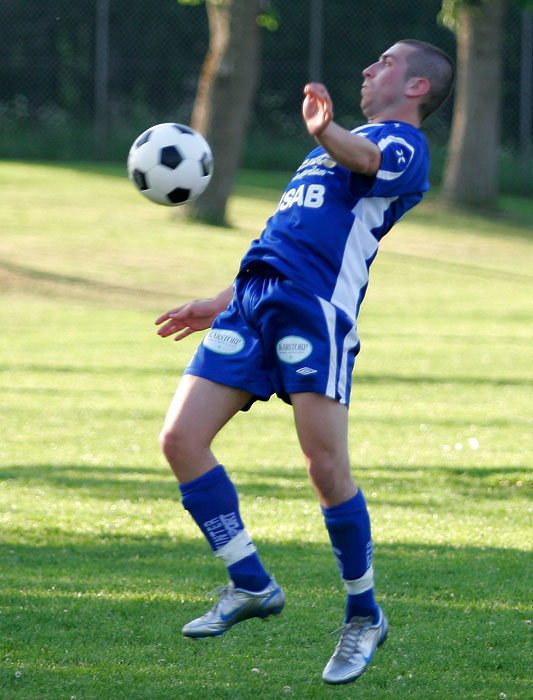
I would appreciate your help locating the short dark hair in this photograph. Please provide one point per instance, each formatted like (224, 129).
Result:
(430, 62)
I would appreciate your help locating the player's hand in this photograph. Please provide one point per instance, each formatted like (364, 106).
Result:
(317, 108)
(186, 319)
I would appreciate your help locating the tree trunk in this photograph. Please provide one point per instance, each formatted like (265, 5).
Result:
(471, 173)
(224, 96)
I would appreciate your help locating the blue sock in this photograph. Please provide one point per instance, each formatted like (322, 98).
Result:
(213, 503)
(348, 527)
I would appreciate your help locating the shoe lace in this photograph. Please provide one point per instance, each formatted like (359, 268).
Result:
(222, 592)
(350, 635)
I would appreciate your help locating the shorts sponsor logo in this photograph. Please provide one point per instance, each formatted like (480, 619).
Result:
(224, 342)
(293, 349)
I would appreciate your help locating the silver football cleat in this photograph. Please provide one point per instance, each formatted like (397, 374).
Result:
(354, 651)
(235, 605)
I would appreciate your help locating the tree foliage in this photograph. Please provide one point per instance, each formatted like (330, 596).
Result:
(450, 10)
(268, 18)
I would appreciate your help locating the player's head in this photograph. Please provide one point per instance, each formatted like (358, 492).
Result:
(429, 62)
(408, 82)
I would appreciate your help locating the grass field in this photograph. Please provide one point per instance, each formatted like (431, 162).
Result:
(99, 564)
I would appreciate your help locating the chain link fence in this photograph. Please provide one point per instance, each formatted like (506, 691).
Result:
(79, 80)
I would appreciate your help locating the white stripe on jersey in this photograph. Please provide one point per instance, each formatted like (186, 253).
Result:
(382, 145)
(361, 247)
(329, 313)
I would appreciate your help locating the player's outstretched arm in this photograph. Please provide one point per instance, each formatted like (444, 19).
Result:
(317, 108)
(354, 152)
(193, 316)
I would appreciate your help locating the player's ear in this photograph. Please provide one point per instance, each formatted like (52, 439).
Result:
(417, 87)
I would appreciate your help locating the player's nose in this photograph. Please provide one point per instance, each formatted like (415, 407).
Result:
(369, 71)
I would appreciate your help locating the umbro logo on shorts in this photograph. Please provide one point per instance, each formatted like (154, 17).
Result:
(306, 370)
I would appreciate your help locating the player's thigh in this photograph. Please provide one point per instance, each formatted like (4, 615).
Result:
(200, 408)
(322, 428)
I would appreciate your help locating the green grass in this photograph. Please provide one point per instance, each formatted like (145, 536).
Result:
(99, 564)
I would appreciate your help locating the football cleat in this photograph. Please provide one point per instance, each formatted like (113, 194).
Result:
(235, 605)
(358, 641)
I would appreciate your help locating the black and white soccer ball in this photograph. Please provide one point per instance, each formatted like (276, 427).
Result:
(170, 164)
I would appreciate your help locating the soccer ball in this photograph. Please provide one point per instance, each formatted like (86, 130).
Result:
(170, 164)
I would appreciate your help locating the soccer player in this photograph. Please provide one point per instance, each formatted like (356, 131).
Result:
(288, 326)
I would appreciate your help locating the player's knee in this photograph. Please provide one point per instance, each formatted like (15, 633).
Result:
(166, 442)
(329, 474)
(321, 473)
(175, 444)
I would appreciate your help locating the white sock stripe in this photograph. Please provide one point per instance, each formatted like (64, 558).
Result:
(237, 548)
(360, 585)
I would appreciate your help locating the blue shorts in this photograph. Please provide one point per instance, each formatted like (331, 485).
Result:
(275, 338)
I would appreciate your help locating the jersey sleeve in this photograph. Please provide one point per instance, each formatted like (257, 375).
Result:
(404, 164)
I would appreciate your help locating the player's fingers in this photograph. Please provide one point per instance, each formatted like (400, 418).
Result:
(167, 315)
(314, 88)
(184, 333)
(309, 106)
(189, 310)
(314, 104)
(164, 332)
(318, 91)
(325, 102)
(170, 328)
(177, 315)
(161, 319)
(326, 108)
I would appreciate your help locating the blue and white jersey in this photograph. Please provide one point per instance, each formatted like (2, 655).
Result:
(326, 229)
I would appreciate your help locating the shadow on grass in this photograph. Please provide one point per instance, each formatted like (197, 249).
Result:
(132, 591)
(85, 283)
(471, 270)
(444, 379)
(99, 617)
(108, 483)
(122, 369)
(129, 569)
(475, 483)
(146, 483)
(359, 379)
(513, 213)
(121, 482)
(109, 169)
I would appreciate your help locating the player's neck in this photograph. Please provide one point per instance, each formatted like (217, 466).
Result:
(394, 118)
(408, 114)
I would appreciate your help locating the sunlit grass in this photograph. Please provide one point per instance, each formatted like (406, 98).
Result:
(99, 564)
